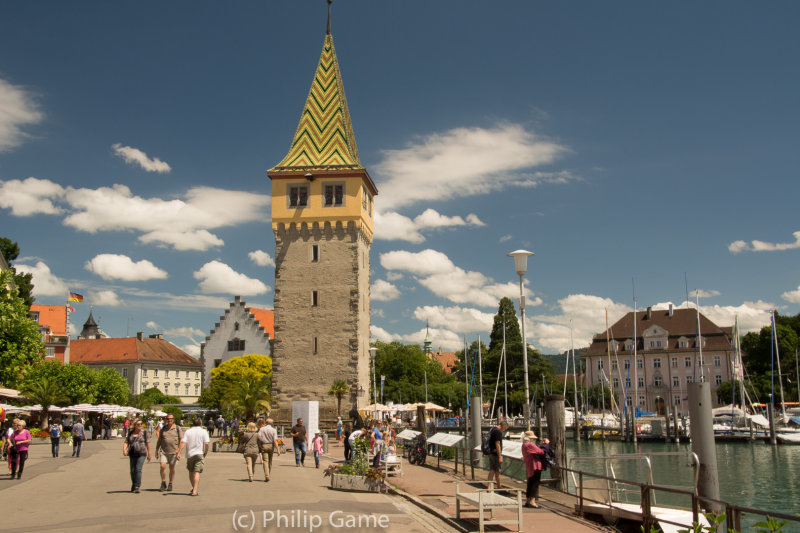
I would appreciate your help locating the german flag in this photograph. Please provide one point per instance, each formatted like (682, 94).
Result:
(75, 297)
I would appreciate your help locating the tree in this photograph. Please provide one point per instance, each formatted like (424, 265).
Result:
(46, 392)
(79, 383)
(599, 396)
(339, 388)
(230, 372)
(10, 251)
(20, 342)
(248, 395)
(110, 387)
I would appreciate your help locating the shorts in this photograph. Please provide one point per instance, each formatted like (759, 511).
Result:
(494, 463)
(195, 463)
(169, 458)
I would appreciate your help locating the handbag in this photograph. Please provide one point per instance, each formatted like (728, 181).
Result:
(242, 444)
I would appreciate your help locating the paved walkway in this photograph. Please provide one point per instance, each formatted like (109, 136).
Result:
(91, 493)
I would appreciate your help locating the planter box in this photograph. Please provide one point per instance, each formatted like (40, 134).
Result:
(354, 483)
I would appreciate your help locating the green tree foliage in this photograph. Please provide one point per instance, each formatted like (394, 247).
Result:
(24, 282)
(247, 395)
(46, 392)
(597, 395)
(758, 350)
(110, 387)
(230, 372)
(79, 383)
(20, 342)
(339, 389)
(175, 411)
(154, 396)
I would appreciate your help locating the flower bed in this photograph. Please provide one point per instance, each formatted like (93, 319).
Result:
(357, 475)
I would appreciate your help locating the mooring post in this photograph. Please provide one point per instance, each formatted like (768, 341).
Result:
(666, 423)
(539, 421)
(771, 413)
(677, 434)
(556, 431)
(703, 443)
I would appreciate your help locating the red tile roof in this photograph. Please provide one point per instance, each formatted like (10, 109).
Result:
(448, 360)
(265, 317)
(128, 350)
(54, 316)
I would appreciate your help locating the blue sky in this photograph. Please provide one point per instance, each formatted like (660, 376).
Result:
(625, 143)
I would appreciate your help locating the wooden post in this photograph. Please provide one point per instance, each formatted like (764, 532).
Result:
(771, 413)
(539, 422)
(556, 431)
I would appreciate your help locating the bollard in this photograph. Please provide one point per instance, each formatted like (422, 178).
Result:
(703, 443)
(556, 431)
(771, 413)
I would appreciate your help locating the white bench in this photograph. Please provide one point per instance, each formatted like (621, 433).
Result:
(486, 500)
(392, 465)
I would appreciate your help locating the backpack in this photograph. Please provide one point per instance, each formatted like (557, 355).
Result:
(549, 459)
(485, 445)
(55, 432)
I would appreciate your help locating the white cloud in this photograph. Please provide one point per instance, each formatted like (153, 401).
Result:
(505, 238)
(465, 162)
(106, 298)
(153, 325)
(180, 223)
(761, 246)
(144, 299)
(191, 349)
(700, 293)
(185, 332)
(45, 283)
(445, 339)
(392, 226)
(380, 334)
(261, 258)
(30, 196)
(219, 278)
(134, 156)
(457, 319)
(17, 109)
(380, 313)
(383, 291)
(792, 296)
(115, 266)
(752, 315)
(438, 274)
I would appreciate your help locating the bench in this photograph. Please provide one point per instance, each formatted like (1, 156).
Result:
(392, 465)
(486, 500)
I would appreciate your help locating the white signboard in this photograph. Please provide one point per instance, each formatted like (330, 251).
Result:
(511, 449)
(445, 439)
(309, 412)
(407, 434)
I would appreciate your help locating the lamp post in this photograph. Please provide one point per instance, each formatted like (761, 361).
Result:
(521, 265)
(372, 352)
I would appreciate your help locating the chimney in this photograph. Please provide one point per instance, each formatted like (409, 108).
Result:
(670, 310)
(649, 313)
(158, 336)
(140, 335)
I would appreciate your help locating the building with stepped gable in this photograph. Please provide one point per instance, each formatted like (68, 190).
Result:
(322, 220)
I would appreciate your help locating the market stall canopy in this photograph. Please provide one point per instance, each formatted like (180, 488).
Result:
(377, 407)
(9, 393)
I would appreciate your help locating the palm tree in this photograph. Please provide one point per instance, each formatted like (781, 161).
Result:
(45, 392)
(250, 394)
(339, 388)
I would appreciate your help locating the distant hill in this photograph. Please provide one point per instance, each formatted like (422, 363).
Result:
(559, 361)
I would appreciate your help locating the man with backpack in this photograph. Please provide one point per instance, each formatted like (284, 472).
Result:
(55, 437)
(169, 440)
(494, 449)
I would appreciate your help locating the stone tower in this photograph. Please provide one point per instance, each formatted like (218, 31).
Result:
(322, 219)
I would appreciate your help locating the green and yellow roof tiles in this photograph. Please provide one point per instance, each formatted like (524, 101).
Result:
(324, 137)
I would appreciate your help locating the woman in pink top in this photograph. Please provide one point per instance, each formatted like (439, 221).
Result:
(19, 441)
(316, 447)
(533, 465)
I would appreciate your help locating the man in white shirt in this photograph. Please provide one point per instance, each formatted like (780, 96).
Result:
(267, 435)
(196, 442)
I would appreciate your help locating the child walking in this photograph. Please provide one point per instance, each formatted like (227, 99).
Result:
(316, 447)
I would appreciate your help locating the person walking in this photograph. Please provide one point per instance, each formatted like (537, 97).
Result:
(532, 456)
(249, 448)
(496, 451)
(137, 447)
(377, 444)
(267, 437)
(316, 447)
(299, 442)
(106, 428)
(220, 426)
(18, 448)
(210, 426)
(348, 449)
(196, 442)
(126, 425)
(339, 428)
(169, 439)
(55, 437)
(78, 436)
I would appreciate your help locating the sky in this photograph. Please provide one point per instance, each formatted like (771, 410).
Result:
(642, 150)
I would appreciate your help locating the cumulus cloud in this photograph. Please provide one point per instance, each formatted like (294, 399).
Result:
(379, 334)
(436, 272)
(134, 156)
(30, 196)
(383, 291)
(445, 339)
(752, 315)
(761, 246)
(191, 349)
(218, 278)
(185, 332)
(45, 283)
(105, 298)
(17, 110)
(457, 319)
(792, 296)
(465, 162)
(153, 325)
(115, 266)
(181, 223)
(144, 299)
(394, 226)
(261, 258)
(700, 293)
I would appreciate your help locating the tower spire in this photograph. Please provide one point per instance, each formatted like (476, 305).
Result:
(328, 31)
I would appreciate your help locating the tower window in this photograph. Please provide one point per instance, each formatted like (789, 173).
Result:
(314, 253)
(364, 197)
(316, 345)
(298, 195)
(236, 345)
(334, 194)
(314, 298)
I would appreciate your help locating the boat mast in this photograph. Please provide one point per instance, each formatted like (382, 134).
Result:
(778, 358)
(608, 353)
(574, 374)
(480, 374)
(699, 337)
(505, 376)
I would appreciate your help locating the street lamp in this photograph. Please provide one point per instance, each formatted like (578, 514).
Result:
(521, 265)
(372, 352)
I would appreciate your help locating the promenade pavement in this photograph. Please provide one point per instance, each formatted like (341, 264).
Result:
(91, 493)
